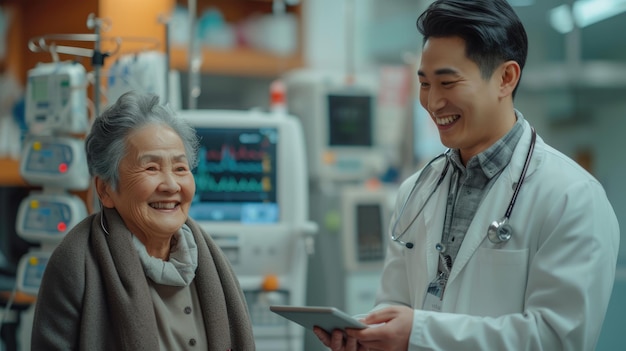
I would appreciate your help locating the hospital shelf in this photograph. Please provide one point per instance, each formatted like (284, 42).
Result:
(10, 173)
(238, 62)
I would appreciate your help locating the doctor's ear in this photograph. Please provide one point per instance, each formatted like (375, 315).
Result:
(104, 191)
(509, 75)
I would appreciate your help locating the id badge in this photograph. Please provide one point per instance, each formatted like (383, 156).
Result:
(434, 294)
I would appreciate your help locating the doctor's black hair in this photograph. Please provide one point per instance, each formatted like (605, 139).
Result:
(492, 31)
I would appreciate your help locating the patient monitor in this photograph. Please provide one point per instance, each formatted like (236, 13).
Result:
(340, 125)
(252, 198)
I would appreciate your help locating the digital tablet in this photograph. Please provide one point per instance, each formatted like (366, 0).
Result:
(327, 318)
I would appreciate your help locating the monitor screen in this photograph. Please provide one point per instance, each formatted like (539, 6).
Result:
(350, 120)
(236, 175)
(370, 231)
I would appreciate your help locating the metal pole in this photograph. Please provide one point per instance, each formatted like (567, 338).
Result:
(97, 68)
(350, 23)
(168, 53)
(194, 57)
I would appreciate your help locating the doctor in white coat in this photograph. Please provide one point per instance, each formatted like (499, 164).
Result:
(458, 276)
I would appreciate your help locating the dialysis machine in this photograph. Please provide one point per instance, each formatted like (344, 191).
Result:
(251, 196)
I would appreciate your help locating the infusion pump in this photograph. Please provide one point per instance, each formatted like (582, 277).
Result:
(53, 157)
(56, 98)
(30, 270)
(58, 162)
(46, 218)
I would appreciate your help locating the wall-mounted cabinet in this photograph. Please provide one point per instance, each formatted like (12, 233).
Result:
(237, 62)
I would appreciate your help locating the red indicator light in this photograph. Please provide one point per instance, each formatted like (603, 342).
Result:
(61, 227)
(63, 167)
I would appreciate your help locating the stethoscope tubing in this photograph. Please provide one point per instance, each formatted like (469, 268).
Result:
(417, 181)
(507, 214)
(531, 149)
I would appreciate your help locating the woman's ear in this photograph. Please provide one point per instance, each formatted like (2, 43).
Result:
(510, 73)
(104, 192)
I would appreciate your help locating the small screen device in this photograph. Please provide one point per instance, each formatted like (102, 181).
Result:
(48, 217)
(56, 98)
(370, 232)
(350, 119)
(349, 147)
(365, 217)
(30, 271)
(340, 123)
(327, 318)
(56, 162)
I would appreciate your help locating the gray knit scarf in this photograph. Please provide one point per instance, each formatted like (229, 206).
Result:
(180, 269)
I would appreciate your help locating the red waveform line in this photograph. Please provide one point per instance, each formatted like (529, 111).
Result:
(241, 154)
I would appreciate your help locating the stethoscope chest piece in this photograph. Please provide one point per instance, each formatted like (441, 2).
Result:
(500, 231)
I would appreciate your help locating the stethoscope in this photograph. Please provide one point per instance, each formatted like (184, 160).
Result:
(499, 231)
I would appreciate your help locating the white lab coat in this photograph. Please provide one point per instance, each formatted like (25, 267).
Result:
(546, 289)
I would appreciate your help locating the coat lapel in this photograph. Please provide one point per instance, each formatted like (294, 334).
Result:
(495, 203)
(434, 214)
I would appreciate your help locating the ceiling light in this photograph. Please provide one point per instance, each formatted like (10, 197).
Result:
(584, 13)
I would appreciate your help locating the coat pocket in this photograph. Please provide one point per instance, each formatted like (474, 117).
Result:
(499, 281)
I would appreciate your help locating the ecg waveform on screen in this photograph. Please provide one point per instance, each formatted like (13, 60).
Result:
(242, 153)
(230, 184)
(229, 159)
(234, 169)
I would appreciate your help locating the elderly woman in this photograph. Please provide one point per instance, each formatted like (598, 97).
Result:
(140, 274)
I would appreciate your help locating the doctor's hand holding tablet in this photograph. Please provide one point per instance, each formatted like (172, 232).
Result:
(388, 329)
(378, 330)
(333, 326)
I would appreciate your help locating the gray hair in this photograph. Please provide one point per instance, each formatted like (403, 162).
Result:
(106, 143)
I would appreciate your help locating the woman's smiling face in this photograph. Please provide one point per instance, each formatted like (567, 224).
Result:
(155, 187)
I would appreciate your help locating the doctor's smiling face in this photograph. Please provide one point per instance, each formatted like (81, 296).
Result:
(471, 111)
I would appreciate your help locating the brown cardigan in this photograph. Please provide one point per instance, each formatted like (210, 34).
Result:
(94, 294)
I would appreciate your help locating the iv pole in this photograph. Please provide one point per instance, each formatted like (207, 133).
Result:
(97, 60)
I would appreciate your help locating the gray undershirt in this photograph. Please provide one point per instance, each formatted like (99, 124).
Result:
(469, 185)
(179, 317)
